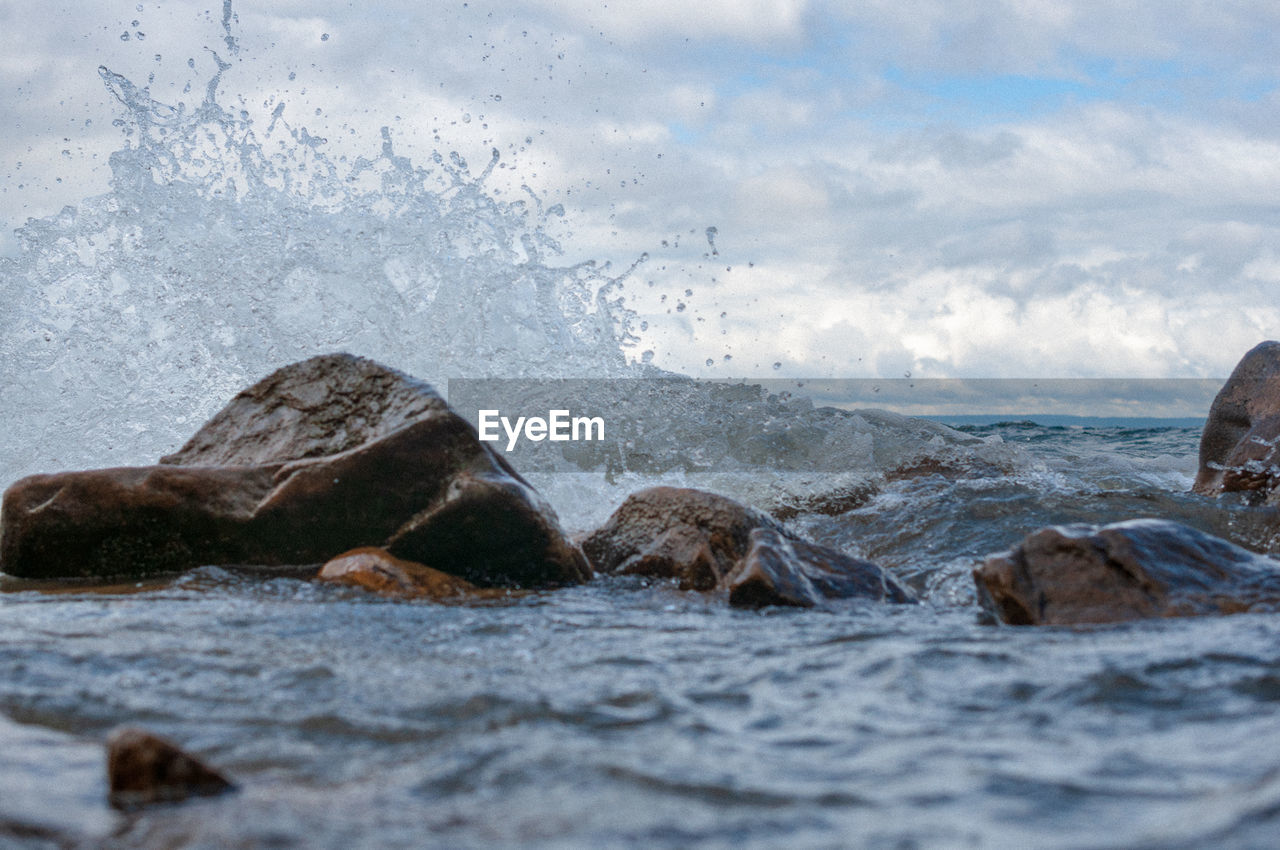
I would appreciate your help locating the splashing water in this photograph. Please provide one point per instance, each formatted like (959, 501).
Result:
(219, 254)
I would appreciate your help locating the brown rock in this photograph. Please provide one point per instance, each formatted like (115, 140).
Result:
(669, 532)
(377, 570)
(1124, 571)
(143, 768)
(782, 571)
(1238, 449)
(323, 456)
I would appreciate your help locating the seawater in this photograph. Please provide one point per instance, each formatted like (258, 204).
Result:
(620, 713)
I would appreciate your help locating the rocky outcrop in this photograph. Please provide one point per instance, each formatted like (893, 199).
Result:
(1240, 446)
(324, 456)
(1125, 571)
(143, 768)
(671, 532)
(709, 542)
(780, 570)
(377, 570)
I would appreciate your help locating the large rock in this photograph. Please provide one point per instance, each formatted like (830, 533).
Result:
(143, 768)
(1124, 571)
(779, 570)
(1238, 449)
(324, 456)
(710, 542)
(670, 532)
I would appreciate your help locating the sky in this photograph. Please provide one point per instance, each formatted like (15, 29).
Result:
(1016, 189)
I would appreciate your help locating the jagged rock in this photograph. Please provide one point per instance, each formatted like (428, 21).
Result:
(1239, 446)
(710, 542)
(143, 768)
(1125, 571)
(670, 532)
(324, 456)
(377, 570)
(779, 570)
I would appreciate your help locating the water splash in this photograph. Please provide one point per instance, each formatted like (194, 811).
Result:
(221, 252)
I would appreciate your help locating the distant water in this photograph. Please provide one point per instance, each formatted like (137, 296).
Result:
(621, 714)
(614, 714)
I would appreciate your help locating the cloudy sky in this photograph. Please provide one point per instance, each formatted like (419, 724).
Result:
(1003, 189)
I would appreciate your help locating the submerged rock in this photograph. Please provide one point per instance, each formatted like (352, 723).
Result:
(1125, 571)
(324, 456)
(377, 570)
(710, 542)
(1238, 449)
(143, 768)
(671, 532)
(780, 570)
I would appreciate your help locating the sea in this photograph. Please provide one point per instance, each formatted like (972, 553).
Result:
(623, 712)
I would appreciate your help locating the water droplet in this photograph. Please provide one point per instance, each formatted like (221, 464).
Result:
(124, 36)
(777, 364)
(324, 37)
(728, 357)
(191, 63)
(710, 362)
(497, 98)
(134, 23)
(318, 110)
(646, 356)
(680, 306)
(293, 75)
(688, 292)
(644, 326)
(141, 36)
(466, 118)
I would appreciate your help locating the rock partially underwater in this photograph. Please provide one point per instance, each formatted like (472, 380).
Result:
(708, 542)
(143, 768)
(1131, 570)
(1239, 447)
(321, 457)
(377, 570)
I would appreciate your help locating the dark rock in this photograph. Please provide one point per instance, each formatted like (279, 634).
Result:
(669, 532)
(778, 570)
(377, 570)
(321, 457)
(1238, 449)
(143, 768)
(710, 542)
(1125, 571)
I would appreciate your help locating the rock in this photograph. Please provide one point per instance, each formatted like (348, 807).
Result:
(778, 570)
(143, 768)
(1238, 449)
(324, 456)
(377, 570)
(710, 542)
(1125, 571)
(669, 532)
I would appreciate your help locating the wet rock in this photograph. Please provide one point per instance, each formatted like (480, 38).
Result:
(779, 570)
(377, 570)
(1238, 449)
(669, 532)
(143, 768)
(324, 456)
(1124, 571)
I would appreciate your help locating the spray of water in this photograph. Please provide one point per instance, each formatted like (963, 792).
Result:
(223, 250)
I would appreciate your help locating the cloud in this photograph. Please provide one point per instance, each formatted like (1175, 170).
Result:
(1019, 187)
